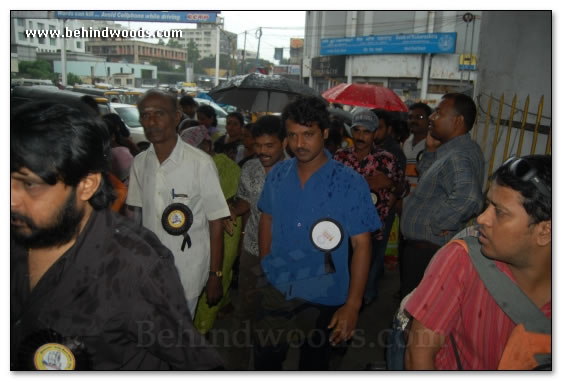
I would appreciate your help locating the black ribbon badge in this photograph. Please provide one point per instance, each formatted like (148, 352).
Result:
(177, 219)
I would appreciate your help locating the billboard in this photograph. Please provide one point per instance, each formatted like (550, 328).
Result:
(334, 66)
(413, 43)
(150, 16)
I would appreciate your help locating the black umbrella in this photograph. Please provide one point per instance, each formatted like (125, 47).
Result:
(258, 92)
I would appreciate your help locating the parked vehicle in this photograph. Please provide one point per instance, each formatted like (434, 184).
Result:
(21, 94)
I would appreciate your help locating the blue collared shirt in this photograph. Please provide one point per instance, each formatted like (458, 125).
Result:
(294, 266)
(448, 194)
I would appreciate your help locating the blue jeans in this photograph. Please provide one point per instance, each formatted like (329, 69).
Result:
(395, 353)
(378, 248)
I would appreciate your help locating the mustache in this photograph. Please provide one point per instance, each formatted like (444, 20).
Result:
(25, 219)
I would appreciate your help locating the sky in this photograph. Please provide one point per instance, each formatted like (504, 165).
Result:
(278, 27)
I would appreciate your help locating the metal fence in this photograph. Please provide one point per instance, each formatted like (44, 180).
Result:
(496, 116)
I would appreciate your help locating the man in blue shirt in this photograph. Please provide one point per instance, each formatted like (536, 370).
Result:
(311, 207)
(448, 194)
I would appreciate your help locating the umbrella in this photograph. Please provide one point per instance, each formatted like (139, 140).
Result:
(370, 96)
(258, 92)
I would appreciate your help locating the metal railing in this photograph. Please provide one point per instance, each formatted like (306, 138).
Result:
(530, 134)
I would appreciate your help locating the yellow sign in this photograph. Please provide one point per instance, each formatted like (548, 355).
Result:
(467, 62)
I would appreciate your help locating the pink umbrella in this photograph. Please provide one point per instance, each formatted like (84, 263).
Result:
(370, 96)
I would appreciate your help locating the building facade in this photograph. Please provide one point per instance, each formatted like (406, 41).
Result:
(134, 52)
(205, 38)
(20, 33)
(402, 72)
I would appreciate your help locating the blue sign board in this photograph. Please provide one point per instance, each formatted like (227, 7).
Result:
(146, 16)
(414, 43)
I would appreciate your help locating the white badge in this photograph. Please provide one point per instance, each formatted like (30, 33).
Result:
(326, 234)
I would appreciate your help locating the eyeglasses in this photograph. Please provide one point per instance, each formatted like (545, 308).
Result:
(523, 170)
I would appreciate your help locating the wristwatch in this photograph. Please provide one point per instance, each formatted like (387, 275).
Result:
(216, 273)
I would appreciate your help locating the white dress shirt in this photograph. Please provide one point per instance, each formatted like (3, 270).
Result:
(189, 171)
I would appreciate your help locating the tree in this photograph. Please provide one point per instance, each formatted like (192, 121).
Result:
(172, 43)
(39, 69)
(72, 79)
(193, 52)
(161, 42)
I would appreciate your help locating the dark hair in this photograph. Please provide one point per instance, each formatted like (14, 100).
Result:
(63, 142)
(116, 125)
(268, 125)
(238, 116)
(209, 112)
(400, 129)
(537, 205)
(160, 93)
(384, 115)
(334, 135)
(305, 111)
(91, 102)
(187, 100)
(421, 105)
(248, 126)
(465, 106)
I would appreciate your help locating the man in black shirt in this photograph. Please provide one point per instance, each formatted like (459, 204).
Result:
(89, 289)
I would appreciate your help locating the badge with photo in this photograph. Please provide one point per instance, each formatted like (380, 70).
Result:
(327, 235)
(48, 350)
(177, 219)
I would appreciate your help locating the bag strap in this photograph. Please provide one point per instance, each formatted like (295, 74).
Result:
(457, 359)
(511, 299)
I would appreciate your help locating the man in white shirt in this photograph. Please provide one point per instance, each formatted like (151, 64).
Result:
(171, 172)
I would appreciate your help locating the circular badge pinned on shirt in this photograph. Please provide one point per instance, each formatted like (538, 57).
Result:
(374, 198)
(327, 235)
(54, 356)
(46, 349)
(177, 219)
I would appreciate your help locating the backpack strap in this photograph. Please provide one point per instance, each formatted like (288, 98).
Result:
(509, 297)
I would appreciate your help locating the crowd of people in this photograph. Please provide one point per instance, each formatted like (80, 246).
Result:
(295, 208)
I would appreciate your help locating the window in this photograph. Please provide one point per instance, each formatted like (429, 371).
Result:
(52, 42)
(21, 22)
(79, 45)
(129, 81)
(21, 36)
(132, 70)
(30, 24)
(121, 70)
(40, 26)
(41, 40)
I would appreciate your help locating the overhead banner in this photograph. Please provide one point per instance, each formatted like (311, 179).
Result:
(413, 43)
(145, 16)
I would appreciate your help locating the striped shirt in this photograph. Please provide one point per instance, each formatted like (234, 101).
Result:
(451, 298)
(448, 194)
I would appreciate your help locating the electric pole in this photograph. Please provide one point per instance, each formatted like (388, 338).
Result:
(258, 36)
(243, 55)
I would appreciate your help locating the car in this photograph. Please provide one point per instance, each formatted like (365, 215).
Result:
(21, 94)
(130, 116)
